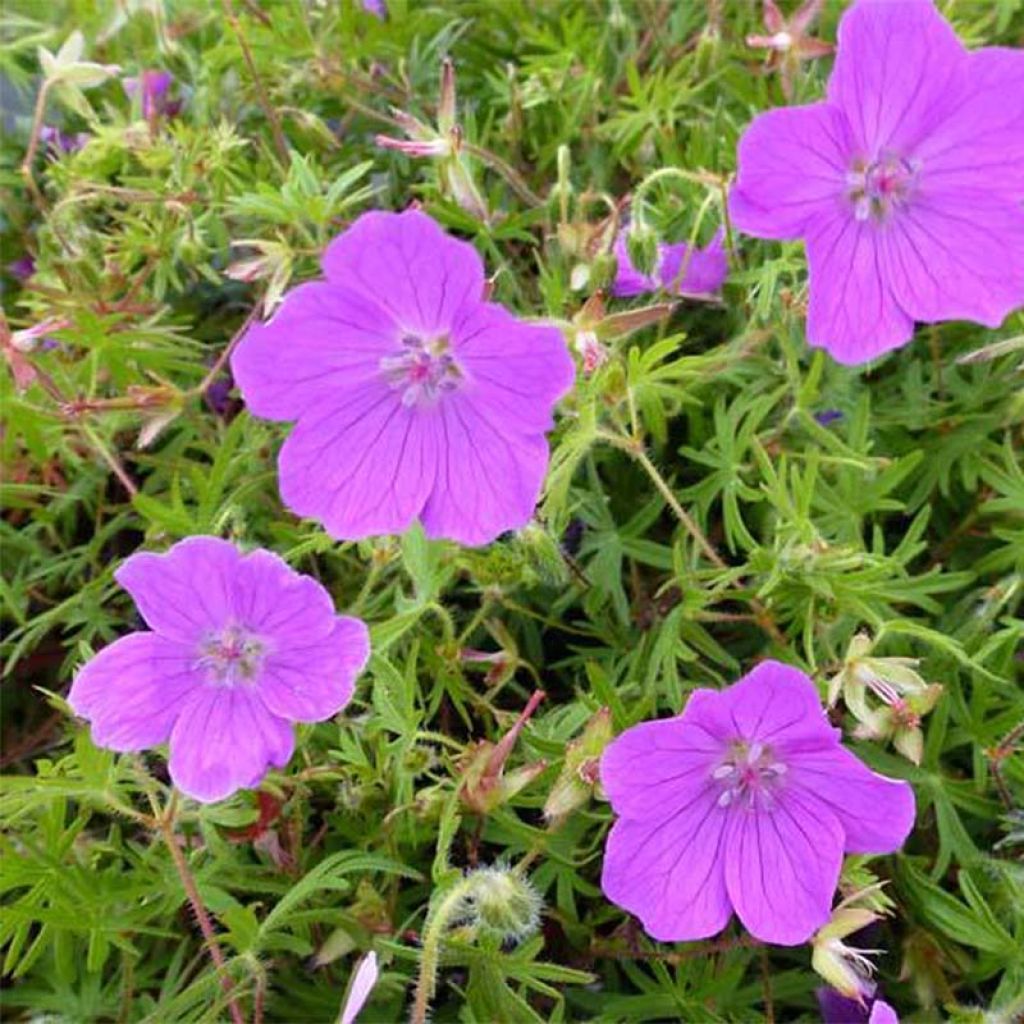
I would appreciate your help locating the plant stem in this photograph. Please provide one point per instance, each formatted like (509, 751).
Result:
(33, 144)
(635, 450)
(165, 823)
(426, 983)
(280, 144)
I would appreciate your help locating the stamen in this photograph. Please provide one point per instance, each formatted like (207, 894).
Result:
(424, 370)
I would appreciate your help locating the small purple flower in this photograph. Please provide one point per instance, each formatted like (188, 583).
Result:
(241, 647)
(415, 398)
(62, 142)
(22, 268)
(745, 802)
(154, 86)
(827, 416)
(704, 273)
(905, 182)
(379, 8)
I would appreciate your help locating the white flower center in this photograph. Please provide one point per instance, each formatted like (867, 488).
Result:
(749, 776)
(879, 186)
(232, 655)
(424, 369)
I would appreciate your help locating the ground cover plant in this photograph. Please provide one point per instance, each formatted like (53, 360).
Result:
(512, 511)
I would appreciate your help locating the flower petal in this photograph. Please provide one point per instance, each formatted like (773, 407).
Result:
(133, 690)
(326, 339)
(669, 871)
(781, 868)
(656, 767)
(852, 312)
(185, 592)
(628, 280)
(224, 740)
(956, 254)
(364, 978)
(362, 468)
(516, 371)
(488, 480)
(775, 704)
(311, 682)
(897, 67)
(979, 144)
(706, 269)
(876, 813)
(279, 604)
(882, 1013)
(407, 264)
(793, 166)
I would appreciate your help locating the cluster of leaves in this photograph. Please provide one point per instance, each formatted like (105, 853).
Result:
(899, 512)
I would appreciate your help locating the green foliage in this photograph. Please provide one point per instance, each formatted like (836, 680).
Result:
(902, 518)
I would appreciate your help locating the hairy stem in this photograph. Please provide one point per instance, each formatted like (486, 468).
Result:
(426, 983)
(166, 825)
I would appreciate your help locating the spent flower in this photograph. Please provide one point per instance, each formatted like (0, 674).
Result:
(788, 42)
(904, 182)
(240, 646)
(745, 802)
(415, 398)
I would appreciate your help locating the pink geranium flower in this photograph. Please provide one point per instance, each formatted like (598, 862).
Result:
(679, 269)
(415, 398)
(241, 646)
(906, 182)
(746, 803)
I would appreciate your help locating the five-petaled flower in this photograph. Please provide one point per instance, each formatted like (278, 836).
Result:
(678, 269)
(905, 182)
(746, 803)
(240, 647)
(415, 397)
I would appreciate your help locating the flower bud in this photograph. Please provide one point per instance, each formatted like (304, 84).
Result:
(502, 904)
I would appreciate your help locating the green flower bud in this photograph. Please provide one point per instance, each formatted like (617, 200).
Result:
(502, 904)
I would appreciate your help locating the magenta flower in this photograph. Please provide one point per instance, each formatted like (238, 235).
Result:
(838, 1009)
(905, 183)
(241, 647)
(414, 397)
(703, 274)
(745, 802)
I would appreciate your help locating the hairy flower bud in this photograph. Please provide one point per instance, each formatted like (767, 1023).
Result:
(502, 904)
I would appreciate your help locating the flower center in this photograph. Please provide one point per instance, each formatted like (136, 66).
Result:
(231, 656)
(879, 186)
(424, 370)
(749, 775)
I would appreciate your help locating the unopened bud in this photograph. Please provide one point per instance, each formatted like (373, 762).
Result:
(503, 904)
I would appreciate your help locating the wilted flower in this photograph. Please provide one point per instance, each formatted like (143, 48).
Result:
(905, 182)
(905, 697)
(361, 984)
(444, 142)
(789, 42)
(580, 772)
(241, 647)
(415, 398)
(847, 969)
(677, 269)
(152, 88)
(744, 802)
